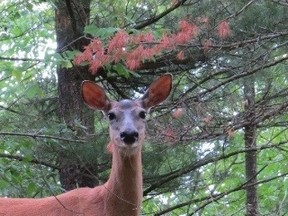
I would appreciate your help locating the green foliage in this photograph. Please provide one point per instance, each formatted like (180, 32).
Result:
(102, 33)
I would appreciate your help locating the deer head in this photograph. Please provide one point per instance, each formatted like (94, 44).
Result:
(127, 117)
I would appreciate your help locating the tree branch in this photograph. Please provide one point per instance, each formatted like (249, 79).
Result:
(20, 59)
(241, 10)
(34, 161)
(237, 76)
(215, 197)
(197, 164)
(161, 15)
(41, 136)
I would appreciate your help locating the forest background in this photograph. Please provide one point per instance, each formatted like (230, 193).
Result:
(218, 146)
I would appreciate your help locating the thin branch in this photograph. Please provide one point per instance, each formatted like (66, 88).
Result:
(20, 59)
(8, 109)
(249, 41)
(162, 61)
(33, 135)
(260, 117)
(238, 76)
(159, 16)
(34, 161)
(197, 164)
(241, 10)
(215, 197)
(244, 185)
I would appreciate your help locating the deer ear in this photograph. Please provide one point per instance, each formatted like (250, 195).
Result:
(158, 91)
(94, 96)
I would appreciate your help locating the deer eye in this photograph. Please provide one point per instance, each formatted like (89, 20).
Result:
(111, 116)
(142, 114)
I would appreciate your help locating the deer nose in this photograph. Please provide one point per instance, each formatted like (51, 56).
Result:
(129, 137)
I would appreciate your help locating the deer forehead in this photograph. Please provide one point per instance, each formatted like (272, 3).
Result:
(126, 105)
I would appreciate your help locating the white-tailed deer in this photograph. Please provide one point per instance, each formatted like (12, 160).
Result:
(121, 195)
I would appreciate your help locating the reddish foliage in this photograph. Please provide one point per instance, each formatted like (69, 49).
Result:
(224, 29)
(169, 134)
(148, 53)
(118, 54)
(181, 55)
(119, 41)
(203, 20)
(94, 65)
(207, 44)
(163, 44)
(178, 113)
(116, 46)
(143, 38)
(230, 132)
(132, 50)
(188, 31)
(133, 58)
(133, 64)
(89, 51)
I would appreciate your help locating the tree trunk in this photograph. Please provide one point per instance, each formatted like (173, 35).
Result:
(250, 143)
(71, 16)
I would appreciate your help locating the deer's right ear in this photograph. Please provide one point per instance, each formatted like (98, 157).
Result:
(94, 96)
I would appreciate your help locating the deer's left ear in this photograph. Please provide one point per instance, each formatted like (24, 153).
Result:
(158, 91)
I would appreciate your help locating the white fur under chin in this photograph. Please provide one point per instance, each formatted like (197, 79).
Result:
(128, 150)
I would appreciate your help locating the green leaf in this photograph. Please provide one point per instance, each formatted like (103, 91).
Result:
(121, 70)
(3, 184)
(31, 188)
(33, 91)
(100, 32)
(17, 74)
(71, 54)
(91, 29)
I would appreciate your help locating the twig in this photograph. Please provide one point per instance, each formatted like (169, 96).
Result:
(215, 197)
(20, 59)
(241, 10)
(197, 164)
(161, 15)
(41, 136)
(35, 161)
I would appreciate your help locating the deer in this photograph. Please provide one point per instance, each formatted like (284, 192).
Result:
(122, 193)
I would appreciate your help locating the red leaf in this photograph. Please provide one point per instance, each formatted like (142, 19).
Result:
(178, 113)
(181, 55)
(119, 41)
(224, 29)
(187, 32)
(207, 45)
(143, 37)
(133, 64)
(94, 66)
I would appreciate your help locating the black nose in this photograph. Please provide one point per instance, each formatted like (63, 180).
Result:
(129, 137)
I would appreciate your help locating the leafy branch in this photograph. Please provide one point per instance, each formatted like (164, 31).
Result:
(163, 179)
(214, 197)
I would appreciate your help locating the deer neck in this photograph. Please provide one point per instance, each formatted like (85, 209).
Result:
(125, 183)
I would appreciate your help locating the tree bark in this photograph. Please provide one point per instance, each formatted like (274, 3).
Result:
(71, 16)
(250, 142)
